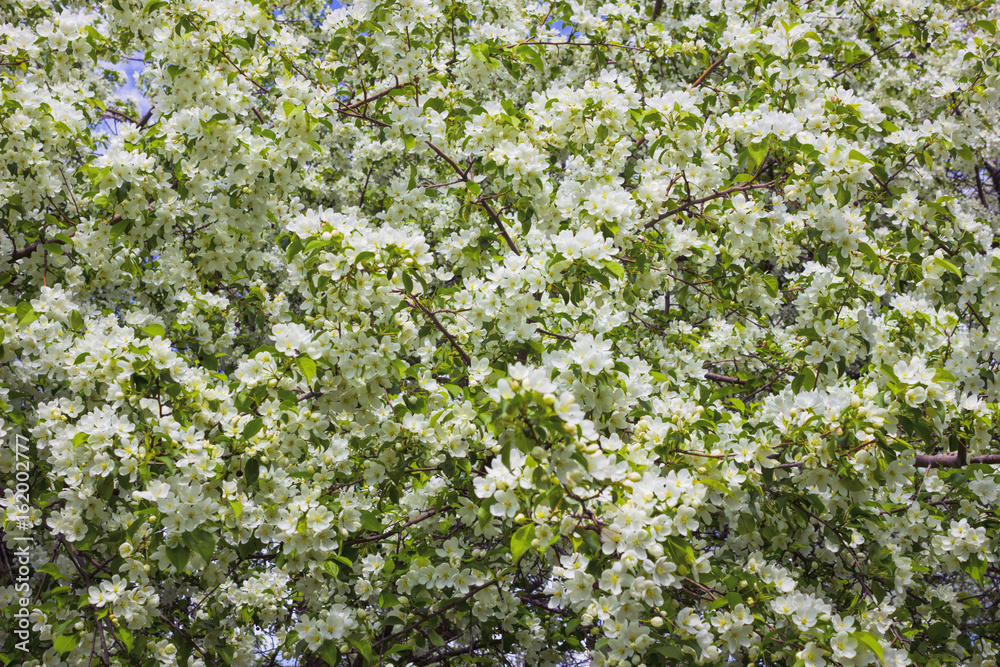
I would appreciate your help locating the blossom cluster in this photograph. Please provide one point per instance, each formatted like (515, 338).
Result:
(424, 332)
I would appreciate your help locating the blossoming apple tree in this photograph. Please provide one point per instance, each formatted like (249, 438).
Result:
(485, 332)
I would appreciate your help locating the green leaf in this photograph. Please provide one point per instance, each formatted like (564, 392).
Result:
(717, 485)
(976, 569)
(154, 330)
(329, 652)
(152, 6)
(757, 153)
(530, 56)
(674, 652)
(364, 648)
(51, 569)
(202, 542)
(398, 648)
(615, 268)
(943, 375)
(178, 556)
(291, 110)
(871, 641)
(937, 631)
(65, 643)
(252, 470)
(480, 52)
(771, 284)
(988, 26)
(869, 253)
(719, 603)
(947, 266)
(118, 229)
(98, 175)
(252, 428)
(859, 156)
(126, 636)
(852, 484)
(483, 514)
(521, 540)
(25, 313)
(806, 380)
(308, 367)
(237, 508)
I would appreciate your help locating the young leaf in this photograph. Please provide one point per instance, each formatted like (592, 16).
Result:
(520, 542)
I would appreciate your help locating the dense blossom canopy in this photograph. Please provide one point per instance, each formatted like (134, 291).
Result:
(444, 332)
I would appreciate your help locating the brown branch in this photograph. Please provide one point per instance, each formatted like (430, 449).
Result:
(28, 250)
(145, 118)
(186, 637)
(711, 68)
(724, 378)
(954, 460)
(555, 335)
(390, 533)
(372, 98)
(499, 223)
(117, 115)
(702, 200)
(444, 653)
(862, 62)
(441, 328)
(454, 603)
(617, 46)
(246, 77)
(463, 174)
(979, 187)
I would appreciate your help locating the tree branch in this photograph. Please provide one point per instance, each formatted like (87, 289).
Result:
(702, 200)
(441, 328)
(464, 175)
(711, 68)
(724, 378)
(954, 460)
(862, 62)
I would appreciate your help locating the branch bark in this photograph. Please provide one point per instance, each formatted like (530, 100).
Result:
(440, 327)
(711, 68)
(953, 460)
(702, 200)
(464, 175)
(723, 378)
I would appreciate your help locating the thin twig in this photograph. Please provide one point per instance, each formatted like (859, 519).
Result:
(482, 202)
(702, 200)
(724, 378)
(441, 328)
(711, 68)
(862, 62)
